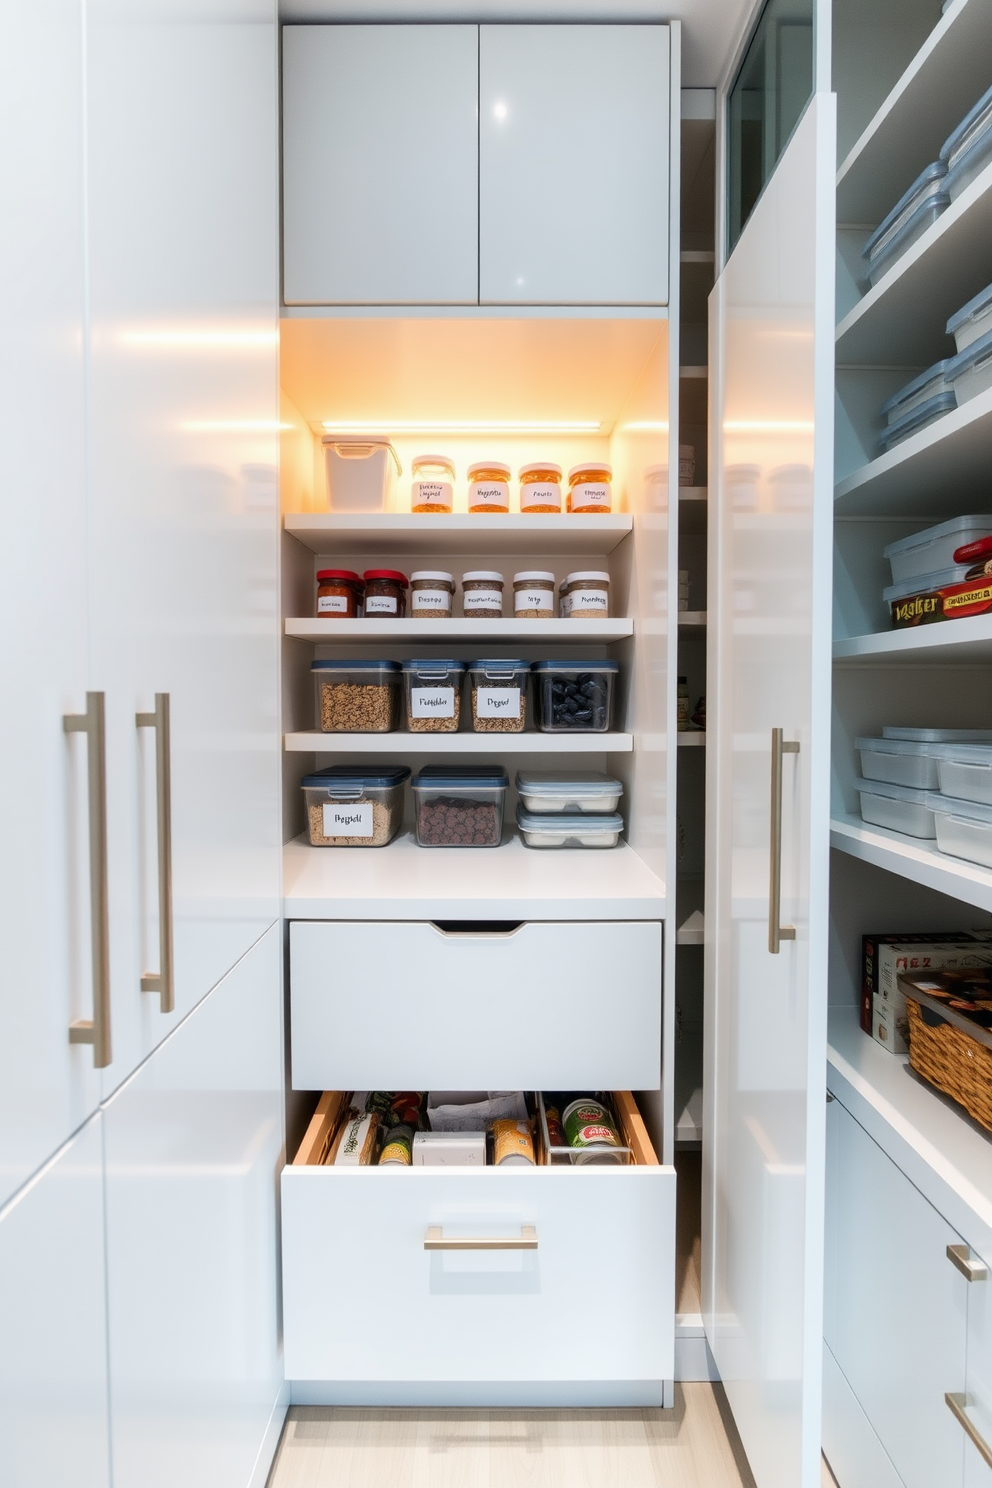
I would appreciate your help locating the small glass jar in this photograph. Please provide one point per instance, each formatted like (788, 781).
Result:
(482, 595)
(588, 595)
(682, 716)
(433, 484)
(589, 488)
(540, 487)
(489, 487)
(431, 591)
(339, 594)
(533, 595)
(385, 594)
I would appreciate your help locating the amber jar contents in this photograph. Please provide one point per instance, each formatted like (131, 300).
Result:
(482, 595)
(589, 488)
(533, 595)
(489, 487)
(540, 487)
(430, 594)
(433, 484)
(385, 594)
(588, 595)
(339, 593)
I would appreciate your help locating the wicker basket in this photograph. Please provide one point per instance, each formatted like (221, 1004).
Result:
(948, 1057)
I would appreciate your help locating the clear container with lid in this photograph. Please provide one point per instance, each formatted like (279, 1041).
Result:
(588, 594)
(898, 807)
(499, 689)
(534, 595)
(433, 486)
(385, 594)
(540, 487)
(972, 320)
(339, 594)
(460, 805)
(357, 697)
(433, 695)
(431, 594)
(568, 792)
(482, 594)
(575, 696)
(589, 488)
(489, 486)
(569, 830)
(963, 829)
(354, 805)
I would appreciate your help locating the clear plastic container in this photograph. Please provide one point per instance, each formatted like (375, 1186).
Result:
(963, 829)
(569, 792)
(357, 697)
(909, 219)
(933, 548)
(590, 488)
(360, 473)
(489, 487)
(499, 695)
(575, 696)
(354, 805)
(433, 484)
(965, 771)
(972, 321)
(898, 807)
(938, 736)
(588, 594)
(431, 594)
(540, 487)
(899, 762)
(918, 418)
(970, 372)
(569, 831)
(926, 583)
(460, 806)
(968, 150)
(433, 695)
(927, 385)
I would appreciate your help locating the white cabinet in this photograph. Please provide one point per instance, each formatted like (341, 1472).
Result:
(53, 1341)
(573, 164)
(978, 1383)
(193, 1145)
(380, 164)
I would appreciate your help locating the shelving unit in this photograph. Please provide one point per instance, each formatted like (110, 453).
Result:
(914, 478)
(408, 535)
(967, 641)
(913, 858)
(459, 629)
(402, 743)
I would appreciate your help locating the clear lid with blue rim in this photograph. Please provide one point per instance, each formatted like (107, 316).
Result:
(974, 308)
(433, 666)
(564, 824)
(941, 578)
(576, 666)
(356, 777)
(951, 806)
(973, 356)
(461, 777)
(499, 666)
(918, 418)
(356, 666)
(974, 123)
(574, 784)
(926, 184)
(934, 375)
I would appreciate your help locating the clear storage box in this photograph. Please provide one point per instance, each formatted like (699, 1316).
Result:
(909, 219)
(968, 150)
(970, 372)
(357, 697)
(360, 473)
(899, 762)
(460, 805)
(972, 321)
(918, 418)
(965, 771)
(963, 828)
(928, 385)
(575, 696)
(433, 695)
(567, 830)
(354, 805)
(498, 691)
(933, 549)
(897, 807)
(926, 583)
(938, 736)
(572, 792)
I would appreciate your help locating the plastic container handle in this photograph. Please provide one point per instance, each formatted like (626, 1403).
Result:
(364, 452)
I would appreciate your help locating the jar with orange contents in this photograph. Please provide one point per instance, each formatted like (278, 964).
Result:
(540, 487)
(433, 484)
(589, 488)
(489, 486)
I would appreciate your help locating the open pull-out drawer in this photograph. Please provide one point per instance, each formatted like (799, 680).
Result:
(412, 1006)
(521, 1276)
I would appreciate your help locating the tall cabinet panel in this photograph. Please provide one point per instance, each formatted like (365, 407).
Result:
(769, 658)
(194, 1142)
(183, 284)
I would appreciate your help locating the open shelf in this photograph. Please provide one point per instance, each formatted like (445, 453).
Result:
(947, 75)
(967, 642)
(689, 1121)
(912, 857)
(693, 509)
(690, 740)
(692, 931)
(459, 629)
(313, 742)
(405, 534)
(689, 619)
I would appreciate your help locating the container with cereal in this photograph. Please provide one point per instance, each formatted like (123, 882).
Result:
(460, 805)
(357, 697)
(499, 691)
(433, 695)
(354, 805)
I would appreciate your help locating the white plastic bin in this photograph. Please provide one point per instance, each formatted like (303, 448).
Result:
(933, 548)
(917, 418)
(964, 829)
(968, 150)
(926, 583)
(897, 807)
(972, 321)
(899, 762)
(569, 831)
(970, 372)
(573, 792)
(929, 384)
(909, 219)
(965, 771)
(360, 473)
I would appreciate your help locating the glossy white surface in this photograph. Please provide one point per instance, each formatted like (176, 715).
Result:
(977, 1473)
(183, 271)
(53, 1354)
(193, 1145)
(562, 631)
(406, 534)
(410, 744)
(856, 1456)
(563, 110)
(447, 1010)
(380, 164)
(769, 658)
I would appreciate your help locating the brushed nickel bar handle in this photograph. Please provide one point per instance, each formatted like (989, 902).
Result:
(163, 980)
(96, 1030)
(435, 1239)
(777, 932)
(961, 1257)
(956, 1404)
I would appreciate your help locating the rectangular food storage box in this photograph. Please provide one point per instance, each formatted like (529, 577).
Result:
(933, 549)
(460, 805)
(970, 372)
(580, 829)
(354, 805)
(898, 762)
(360, 473)
(965, 771)
(968, 150)
(433, 695)
(918, 418)
(909, 219)
(897, 807)
(926, 583)
(929, 384)
(972, 321)
(499, 694)
(575, 696)
(963, 828)
(572, 792)
(357, 697)
(938, 736)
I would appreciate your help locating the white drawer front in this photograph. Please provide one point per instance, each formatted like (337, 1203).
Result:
(364, 1301)
(393, 1006)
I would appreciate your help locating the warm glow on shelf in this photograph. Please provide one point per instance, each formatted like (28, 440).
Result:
(234, 426)
(462, 426)
(769, 426)
(168, 340)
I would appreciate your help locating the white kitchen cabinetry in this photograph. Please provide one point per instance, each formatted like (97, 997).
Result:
(978, 1386)
(193, 1141)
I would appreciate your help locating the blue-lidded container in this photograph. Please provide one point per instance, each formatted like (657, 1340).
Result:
(460, 805)
(357, 697)
(909, 219)
(354, 805)
(433, 694)
(498, 692)
(968, 150)
(929, 384)
(568, 830)
(970, 372)
(919, 417)
(575, 697)
(973, 320)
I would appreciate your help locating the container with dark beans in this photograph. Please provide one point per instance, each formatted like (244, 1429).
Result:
(575, 696)
(460, 805)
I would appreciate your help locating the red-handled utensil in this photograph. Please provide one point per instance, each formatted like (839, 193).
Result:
(971, 552)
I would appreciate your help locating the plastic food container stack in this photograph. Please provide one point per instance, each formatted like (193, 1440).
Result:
(354, 805)
(898, 807)
(970, 372)
(965, 771)
(909, 756)
(909, 219)
(566, 830)
(967, 151)
(570, 792)
(932, 550)
(460, 805)
(360, 473)
(925, 583)
(972, 321)
(928, 397)
(963, 828)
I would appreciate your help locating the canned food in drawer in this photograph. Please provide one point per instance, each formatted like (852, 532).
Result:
(494, 1274)
(403, 1005)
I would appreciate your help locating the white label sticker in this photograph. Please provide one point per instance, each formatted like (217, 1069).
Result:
(348, 820)
(534, 599)
(497, 702)
(540, 494)
(432, 702)
(381, 604)
(483, 599)
(436, 601)
(593, 493)
(590, 599)
(332, 604)
(432, 493)
(489, 493)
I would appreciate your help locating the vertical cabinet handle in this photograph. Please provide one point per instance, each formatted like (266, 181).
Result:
(96, 1030)
(957, 1405)
(970, 1268)
(163, 980)
(777, 932)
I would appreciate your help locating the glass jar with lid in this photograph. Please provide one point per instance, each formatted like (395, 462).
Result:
(339, 593)
(431, 592)
(540, 487)
(489, 486)
(563, 604)
(588, 594)
(482, 594)
(589, 487)
(385, 594)
(433, 484)
(533, 595)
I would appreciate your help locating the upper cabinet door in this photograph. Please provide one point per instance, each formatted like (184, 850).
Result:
(380, 165)
(771, 500)
(573, 165)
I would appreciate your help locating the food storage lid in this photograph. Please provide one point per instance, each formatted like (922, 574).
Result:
(499, 665)
(533, 576)
(567, 824)
(973, 525)
(444, 460)
(385, 573)
(934, 374)
(974, 123)
(915, 747)
(952, 806)
(365, 777)
(461, 777)
(893, 792)
(575, 784)
(576, 666)
(591, 465)
(938, 736)
(489, 574)
(538, 465)
(925, 413)
(964, 753)
(360, 447)
(979, 351)
(432, 573)
(489, 465)
(588, 573)
(354, 666)
(926, 183)
(974, 308)
(342, 575)
(924, 583)
(430, 666)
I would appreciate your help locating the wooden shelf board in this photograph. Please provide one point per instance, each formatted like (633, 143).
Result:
(913, 858)
(373, 631)
(406, 534)
(312, 742)
(965, 642)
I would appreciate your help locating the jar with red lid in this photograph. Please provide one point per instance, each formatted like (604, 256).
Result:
(589, 487)
(339, 594)
(385, 594)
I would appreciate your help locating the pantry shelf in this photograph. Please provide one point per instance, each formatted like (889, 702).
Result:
(689, 1122)
(690, 740)
(944, 78)
(405, 535)
(693, 509)
(966, 642)
(909, 857)
(511, 882)
(692, 930)
(690, 619)
(313, 742)
(378, 630)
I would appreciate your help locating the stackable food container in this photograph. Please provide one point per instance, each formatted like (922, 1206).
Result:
(927, 397)
(965, 771)
(568, 830)
(933, 549)
(568, 792)
(575, 696)
(360, 473)
(460, 805)
(909, 757)
(498, 695)
(926, 583)
(970, 372)
(972, 321)
(433, 694)
(354, 805)
(909, 219)
(967, 151)
(357, 697)
(963, 828)
(898, 807)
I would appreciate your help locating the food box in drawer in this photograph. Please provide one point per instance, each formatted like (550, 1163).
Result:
(581, 1289)
(410, 1006)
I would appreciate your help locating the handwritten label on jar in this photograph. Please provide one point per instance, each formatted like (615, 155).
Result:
(534, 599)
(432, 493)
(434, 601)
(495, 494)
(432, 702)
(348, 820)
(540, 494)
(592, 493)
(332, 604)
(596, 600)
(381, 604)
(483, 599)
(497, 702)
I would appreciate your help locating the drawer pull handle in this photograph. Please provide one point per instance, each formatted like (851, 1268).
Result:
(93, 724)
(163, 980)
(956, 1404)
(777, 932)
(961, 1256)
(435, 1239)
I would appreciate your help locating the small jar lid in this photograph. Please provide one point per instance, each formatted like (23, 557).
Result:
(548, 465)
(444, 460)
(589, 468)
(485, 574)
(432, 573)
(494, 465)
(533, 576)
(385, 573)
(338, 575)
(589, 573)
